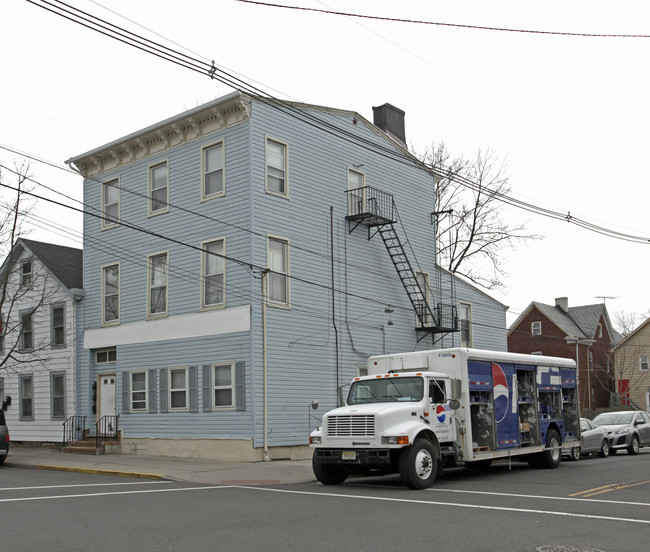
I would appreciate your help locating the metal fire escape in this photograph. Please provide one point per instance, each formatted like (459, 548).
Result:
(376, 209)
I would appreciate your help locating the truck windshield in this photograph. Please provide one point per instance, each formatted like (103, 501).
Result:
(401, 389)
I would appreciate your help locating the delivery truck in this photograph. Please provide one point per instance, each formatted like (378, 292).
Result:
(418, 413)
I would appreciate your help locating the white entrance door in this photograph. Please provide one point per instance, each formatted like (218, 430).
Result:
(107, 402)
(107, 395)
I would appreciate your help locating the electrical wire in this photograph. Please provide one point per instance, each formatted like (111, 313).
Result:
(295, 111)
(440, 24)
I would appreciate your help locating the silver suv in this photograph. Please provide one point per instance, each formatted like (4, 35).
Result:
(628, 430)
(4, 438)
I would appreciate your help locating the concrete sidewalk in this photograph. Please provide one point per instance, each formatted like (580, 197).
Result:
(194, 470)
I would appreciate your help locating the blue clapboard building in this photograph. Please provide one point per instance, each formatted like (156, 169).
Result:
(242, 260)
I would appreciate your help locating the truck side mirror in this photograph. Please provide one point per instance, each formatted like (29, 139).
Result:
(454, 404)
(456, 389)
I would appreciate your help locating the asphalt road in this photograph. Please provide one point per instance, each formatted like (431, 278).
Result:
(593, 504)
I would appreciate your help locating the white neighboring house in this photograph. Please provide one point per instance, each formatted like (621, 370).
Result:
(38, 342)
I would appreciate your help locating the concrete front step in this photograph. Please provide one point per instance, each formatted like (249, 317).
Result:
(83, 447)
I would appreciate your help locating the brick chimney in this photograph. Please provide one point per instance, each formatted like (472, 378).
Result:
(390, 119)
(562, 303)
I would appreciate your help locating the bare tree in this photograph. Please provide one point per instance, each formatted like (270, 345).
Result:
(471, 234)
(24, 286)
(627, 321)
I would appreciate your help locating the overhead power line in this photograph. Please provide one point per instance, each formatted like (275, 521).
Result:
(441, 24)
(212, 71)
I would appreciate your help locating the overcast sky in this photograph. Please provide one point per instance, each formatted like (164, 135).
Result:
(568, 113)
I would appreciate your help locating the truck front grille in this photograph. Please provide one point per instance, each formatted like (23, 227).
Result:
(349, 426)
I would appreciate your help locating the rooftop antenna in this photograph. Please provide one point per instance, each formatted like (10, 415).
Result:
(604, 298)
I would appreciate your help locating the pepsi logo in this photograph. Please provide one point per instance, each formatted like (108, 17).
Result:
(500, 392)
(440, 413)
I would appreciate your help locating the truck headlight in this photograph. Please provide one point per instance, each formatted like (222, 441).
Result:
(315, 440)
(396, 440)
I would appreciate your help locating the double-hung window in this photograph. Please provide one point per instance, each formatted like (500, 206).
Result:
(465, 325)
(158, 284)
(26, 389)
(26, 330)
(178, 389)
(643, 363)
(213, 171)
(26, 274)
(278, 277)
(57, 394)
(214, 274)
(111, 294)
(139, 391)
(158, 189)
(58, 326)
(276, 168)
(536, 328)
(223, 384)
(110, 203)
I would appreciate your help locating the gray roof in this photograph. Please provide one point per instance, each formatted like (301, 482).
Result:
(66, 263)
(579, 321)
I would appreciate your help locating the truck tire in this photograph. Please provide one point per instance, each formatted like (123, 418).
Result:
(418, 465)
(634, 445)
(329, 474)
(552, 456)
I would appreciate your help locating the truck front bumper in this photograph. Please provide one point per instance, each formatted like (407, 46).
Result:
(358, 457)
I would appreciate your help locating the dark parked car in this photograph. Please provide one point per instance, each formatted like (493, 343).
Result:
(4, 438)
(628, 430)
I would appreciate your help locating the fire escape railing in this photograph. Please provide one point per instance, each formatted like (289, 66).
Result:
(373, 208)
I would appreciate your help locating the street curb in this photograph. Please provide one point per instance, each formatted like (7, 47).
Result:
(94, 471)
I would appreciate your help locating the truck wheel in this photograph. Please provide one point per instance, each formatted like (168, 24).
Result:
(552, 456)
(634, 445)
(604, 449)
(418, 464)
(328, 474)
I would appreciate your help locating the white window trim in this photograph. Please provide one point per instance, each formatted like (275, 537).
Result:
(204, 196)
(232, 386)
(146, 391)
(643, 363)
(171, 408)
(284, 194)
(32, 416)
(150, 315)
(65, 410)
(536, 323)
(203, 275)
(21, 314)
(107, 351)
(165, 209)
(287, 304)
(26, 282)
(105, 223)
(52, 332)
(471, 326)
(103, 300)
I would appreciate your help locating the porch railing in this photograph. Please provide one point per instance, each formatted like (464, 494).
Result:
(73, 429)
(106, 429)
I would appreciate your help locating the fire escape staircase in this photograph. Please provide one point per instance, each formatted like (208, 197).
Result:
(376, 209)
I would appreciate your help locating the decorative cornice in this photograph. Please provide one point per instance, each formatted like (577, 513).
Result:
(186, 127)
